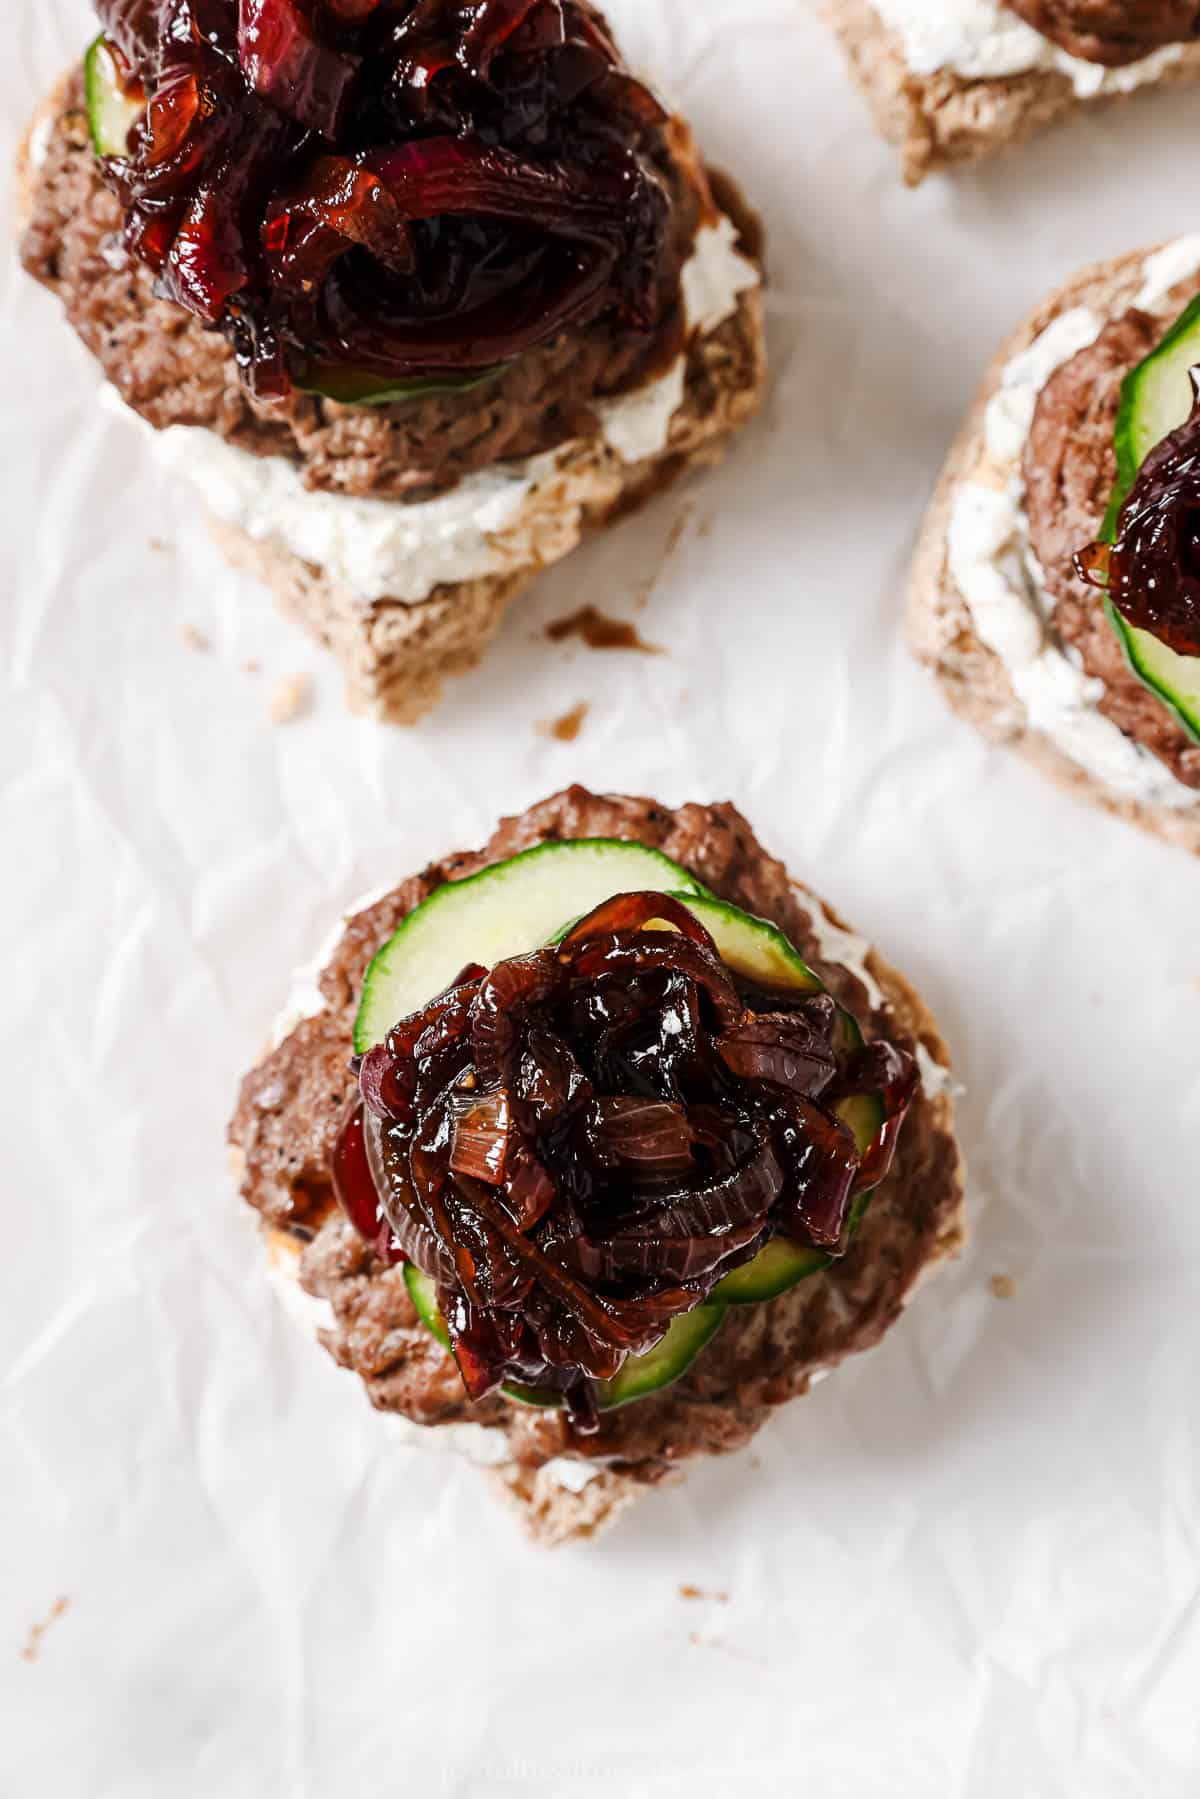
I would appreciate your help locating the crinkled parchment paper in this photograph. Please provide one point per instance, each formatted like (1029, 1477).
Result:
(968, 1566)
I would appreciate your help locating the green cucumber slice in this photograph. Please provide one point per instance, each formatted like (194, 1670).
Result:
(782, 1264)
(358, 387)
(502, 911)
(1156, 399)
(110, 111)
(423, 1293)
(640, 1375)
(752, 946)
(1174, 678)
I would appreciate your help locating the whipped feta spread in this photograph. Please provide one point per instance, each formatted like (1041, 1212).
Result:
(994, 568)
(982, 40)
(499, 520)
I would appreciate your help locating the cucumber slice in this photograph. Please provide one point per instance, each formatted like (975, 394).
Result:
(755, 948)
(1156, 399)
(640, 1376)
(502, 911)
(358, 387)
(1174, 678)
(423, 1294)
(760, 950)
(752, 946)
(110, 111)
(782, 1264)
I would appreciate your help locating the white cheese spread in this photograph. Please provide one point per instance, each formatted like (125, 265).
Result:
(982, 40)
(994, 568)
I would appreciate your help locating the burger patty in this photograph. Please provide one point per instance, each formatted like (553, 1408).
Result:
(290, 1107)
(1069, 468)
(1111, 31)
(173, 370)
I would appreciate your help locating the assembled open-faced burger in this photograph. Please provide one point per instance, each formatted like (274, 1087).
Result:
(414, 292)
(950, 81)
(592, 1148)
(1084, 437)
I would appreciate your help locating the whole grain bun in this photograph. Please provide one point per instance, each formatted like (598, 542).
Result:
(939, 120)
(940, 629)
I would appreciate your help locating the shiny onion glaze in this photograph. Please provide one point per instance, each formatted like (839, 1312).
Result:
(577, 1144)
(395, 188)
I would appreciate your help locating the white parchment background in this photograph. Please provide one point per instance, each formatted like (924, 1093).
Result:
(967, 1566)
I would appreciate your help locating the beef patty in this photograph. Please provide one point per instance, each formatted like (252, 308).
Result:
(1111, 31)
(1069, 469)
(173, 370)
(291, 1104)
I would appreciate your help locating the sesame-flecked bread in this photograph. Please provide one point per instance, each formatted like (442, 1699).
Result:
(942, 119)
(940, 629)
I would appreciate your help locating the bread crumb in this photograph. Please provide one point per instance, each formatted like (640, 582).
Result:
(33, 1643)
(193, 636)
(688, 1591)
(253, 667)
(1003, 1286)
(290, 699)
(568, 727)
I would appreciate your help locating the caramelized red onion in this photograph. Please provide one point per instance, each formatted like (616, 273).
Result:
(577, 1144)
(394, 187)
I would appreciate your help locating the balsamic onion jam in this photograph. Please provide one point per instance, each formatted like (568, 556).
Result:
(394, 188)
(577, 1144)
(1152, 570)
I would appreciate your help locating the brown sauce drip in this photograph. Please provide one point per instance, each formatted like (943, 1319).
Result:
(567, 728)
(600, 632)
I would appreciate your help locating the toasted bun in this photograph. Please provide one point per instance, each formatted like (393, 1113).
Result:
(940, 629)
(938, 120)
(397, 654)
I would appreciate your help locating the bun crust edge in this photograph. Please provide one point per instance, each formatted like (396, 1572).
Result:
(939, 626)
(940, 120)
